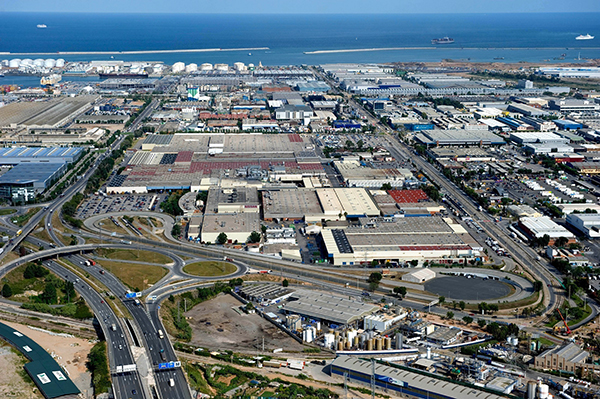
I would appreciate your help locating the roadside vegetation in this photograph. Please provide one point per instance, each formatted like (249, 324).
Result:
(210, 268)
(136, 277)
(97, 364)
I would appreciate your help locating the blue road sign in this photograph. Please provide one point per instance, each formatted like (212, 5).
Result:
(131, 295)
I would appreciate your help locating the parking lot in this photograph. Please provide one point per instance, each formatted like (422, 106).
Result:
(99, 204)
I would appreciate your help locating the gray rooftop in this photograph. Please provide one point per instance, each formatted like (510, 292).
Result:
(570, 352)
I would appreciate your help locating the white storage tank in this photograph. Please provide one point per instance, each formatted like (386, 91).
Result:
(543, 391)
(26, 62)
(328, 340)
(191, 68)
(206, 67)
(14, 63)
(60, 63)
(239, 66)
(222, 67)
(49, 63)
(38, 62)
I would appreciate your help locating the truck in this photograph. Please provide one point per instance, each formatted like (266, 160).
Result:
(92, 262)
(227, 259)
(265, 271)
(19, 232)
(114, 327)
(160, 334)
(171, 382)
(125, 242)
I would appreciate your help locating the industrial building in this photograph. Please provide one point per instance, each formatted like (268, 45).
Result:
(537, 227)
(407, 381)
(568, 357)
(24, 181)
(237, 227)
(573, 105)
(419, 276)
(232, 200)
(326, 307)
(45, 155)
(52, 113)
(292, 204)
(357, 175)
(461, 137)
(589, 224)
(399, 239)
(523, 211)
(538, 138)
(47, 375)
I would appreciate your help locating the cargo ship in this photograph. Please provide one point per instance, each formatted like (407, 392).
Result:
(123, 75)
(41, 26)
(443, 40)
(584, 37)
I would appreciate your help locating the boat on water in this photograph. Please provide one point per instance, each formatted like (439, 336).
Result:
(41, 26)
(498, 58)
(443, 40)
(50, 80)
(584, 37)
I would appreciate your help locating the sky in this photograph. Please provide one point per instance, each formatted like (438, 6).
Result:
(301, 6)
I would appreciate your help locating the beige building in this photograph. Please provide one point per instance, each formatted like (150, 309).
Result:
(238, 227)
(568, 357)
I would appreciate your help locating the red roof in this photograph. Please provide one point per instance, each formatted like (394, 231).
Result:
(184, 156)
(408, 196)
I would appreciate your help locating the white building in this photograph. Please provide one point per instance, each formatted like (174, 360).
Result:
(382, 322)
(588, 223)
(419, 276)
(539, 227)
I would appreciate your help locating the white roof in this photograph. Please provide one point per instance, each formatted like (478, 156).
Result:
(422, 274)
(544, 225)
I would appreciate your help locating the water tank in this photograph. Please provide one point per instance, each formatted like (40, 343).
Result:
(50, 63)
(60, 63)
(38, 62)
(14, 63)
(328, 340)
(531, 389)
(206, 67)
(222, 67)
(379, 342)
(191, 68)
(543, 391)
(340, 345)
(26, 62)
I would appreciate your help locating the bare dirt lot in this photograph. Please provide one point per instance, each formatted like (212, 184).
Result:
(12, 384)
(70, 353)
(216, 326)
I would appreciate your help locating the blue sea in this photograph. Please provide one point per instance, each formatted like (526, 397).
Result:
(478, 37)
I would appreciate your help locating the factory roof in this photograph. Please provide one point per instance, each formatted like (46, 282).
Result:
(571, 352)
(238, 223)
(444, 334)
(237, 195)
(30, 172)
(158, 139)
(326, 306)
(537, 137)
(14, 155)
(408, 196)
(290, 203)
(45, 372)
(421, 274)
(356, 202)
(425, 382)
(459, 137)
(544, 225)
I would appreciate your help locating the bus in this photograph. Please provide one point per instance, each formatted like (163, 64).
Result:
(19, 232)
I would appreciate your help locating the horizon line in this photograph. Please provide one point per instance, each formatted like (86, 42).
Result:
(303, 13)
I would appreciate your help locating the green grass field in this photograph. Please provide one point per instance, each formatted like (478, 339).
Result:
(8, 211)
(210, 268)
(134, 254)
(134, 276)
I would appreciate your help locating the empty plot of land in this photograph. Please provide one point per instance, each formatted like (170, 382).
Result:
(134, 275)
(210, 268)
(217, 326)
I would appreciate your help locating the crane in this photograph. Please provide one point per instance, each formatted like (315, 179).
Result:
(567, 329)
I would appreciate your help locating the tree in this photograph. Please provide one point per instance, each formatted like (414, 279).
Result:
(254, 237)
(462, 305)
(49, 294)
(468, 319)
(537, 285)
(481, 323)
(414, 262)
(176, 230)
(386, 186)
(400, 291)
(450, 315)
(6, 291)
(222, 238)
(561, 241)
(441, 300)
(285, 283)
(483, 307)
(360, 144)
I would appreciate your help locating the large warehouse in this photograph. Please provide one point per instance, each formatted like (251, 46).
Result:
(539, 227)
(408, 381)
(52, 113)
(399, 239)
(586, 223)
(462, 137)
(327, 307)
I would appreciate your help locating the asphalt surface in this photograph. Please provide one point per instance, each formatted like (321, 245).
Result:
(467, 289)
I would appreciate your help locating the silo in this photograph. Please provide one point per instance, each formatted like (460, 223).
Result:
(60, 63)
(49, 63)
(356, 342)
(348, 344)
(340, 345)
(379, 343)
(26, 62)
(337, 335)
(328, 340)
(14, 63)
(239, 66)
(531, 389)
(399, 339)
(388, 343)
(222, 67)
(370, 345)
(543, 391)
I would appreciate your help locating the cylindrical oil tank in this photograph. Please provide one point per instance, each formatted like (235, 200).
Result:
(60, 63)
(388, 343)
(356, 341)
(336, 334)
(340, 345)
(49, 63)
(370, 345)
(543, 391)
(26, 62)
(531, 389)
(14, 63)
(379, 343)
(206, 67)
(38, 62)
(348, 344)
